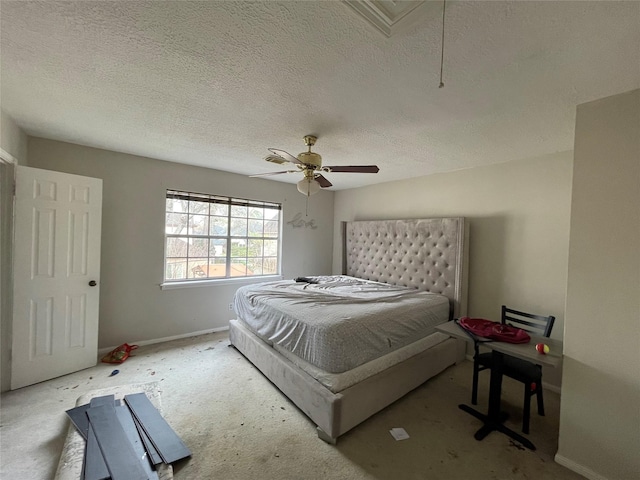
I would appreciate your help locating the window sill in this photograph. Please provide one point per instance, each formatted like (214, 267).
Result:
(217, 282)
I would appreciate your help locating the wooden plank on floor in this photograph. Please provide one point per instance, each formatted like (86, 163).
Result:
(163, 437)
(104, 400)
(154, 456)
(117, 451)
(78, 417)
(94, 467)
(126, 420)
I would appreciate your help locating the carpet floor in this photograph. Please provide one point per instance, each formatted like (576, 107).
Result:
(239, 426)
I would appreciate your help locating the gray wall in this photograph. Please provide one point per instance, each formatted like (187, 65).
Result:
(600, 406)
(12, 139)
(133, 308)
(518, 214)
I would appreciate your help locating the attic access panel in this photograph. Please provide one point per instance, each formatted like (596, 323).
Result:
(385, 15)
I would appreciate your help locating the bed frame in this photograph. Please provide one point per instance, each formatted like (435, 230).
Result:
(428, 254)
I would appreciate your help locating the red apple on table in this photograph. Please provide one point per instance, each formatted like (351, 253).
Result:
(542, 348)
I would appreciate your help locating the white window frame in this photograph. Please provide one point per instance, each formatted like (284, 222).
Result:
(228, 278)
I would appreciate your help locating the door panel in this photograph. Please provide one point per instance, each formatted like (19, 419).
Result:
(57, 253)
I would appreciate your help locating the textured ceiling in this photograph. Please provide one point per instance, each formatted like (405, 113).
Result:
(216, 83)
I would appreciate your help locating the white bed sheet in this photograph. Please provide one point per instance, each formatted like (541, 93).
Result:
(340, 322)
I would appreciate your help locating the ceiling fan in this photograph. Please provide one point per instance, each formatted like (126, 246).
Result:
(310, 164)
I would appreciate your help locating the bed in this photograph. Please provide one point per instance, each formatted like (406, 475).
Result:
(400, 278)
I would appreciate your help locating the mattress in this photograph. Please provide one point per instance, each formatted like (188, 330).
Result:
(337, 323)
(337, 382)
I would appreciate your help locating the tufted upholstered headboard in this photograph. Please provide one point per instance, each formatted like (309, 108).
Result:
(428, 254)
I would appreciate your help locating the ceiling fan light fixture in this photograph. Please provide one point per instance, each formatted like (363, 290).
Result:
(310, 165)
(308, 186)
(275, 159)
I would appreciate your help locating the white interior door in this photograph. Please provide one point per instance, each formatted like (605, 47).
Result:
(56, 271)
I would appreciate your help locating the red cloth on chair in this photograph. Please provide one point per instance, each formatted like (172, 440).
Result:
(500, 332)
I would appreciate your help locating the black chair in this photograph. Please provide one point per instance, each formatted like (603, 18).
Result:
(521, 370)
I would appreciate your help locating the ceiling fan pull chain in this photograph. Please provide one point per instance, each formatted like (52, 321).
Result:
(444, 7)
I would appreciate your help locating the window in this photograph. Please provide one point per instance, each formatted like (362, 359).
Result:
(213, 237)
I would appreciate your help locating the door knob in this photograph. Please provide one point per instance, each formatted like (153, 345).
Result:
(92, 283)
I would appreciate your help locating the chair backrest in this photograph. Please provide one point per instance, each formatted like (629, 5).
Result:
(536, 324)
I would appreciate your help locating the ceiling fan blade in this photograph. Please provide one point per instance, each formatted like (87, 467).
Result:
(286, 156)
(275, 159)
(354, 168)
(273, 173)
(324, 183)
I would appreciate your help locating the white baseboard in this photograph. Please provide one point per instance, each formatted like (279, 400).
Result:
(579, 469)
(103, 351)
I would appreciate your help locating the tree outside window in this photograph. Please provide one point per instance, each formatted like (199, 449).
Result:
(213, 237)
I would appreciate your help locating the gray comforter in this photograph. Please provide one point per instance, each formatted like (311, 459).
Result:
(339, 322)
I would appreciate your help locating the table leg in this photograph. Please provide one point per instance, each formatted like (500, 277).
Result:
(494, 419)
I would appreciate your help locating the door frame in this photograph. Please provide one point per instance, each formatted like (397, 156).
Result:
(8, 168)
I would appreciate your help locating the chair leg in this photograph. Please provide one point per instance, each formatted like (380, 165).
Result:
(474, 388)
(526, 410)
(540, 400)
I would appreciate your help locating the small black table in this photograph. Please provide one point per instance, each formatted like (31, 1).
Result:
(494, 419)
